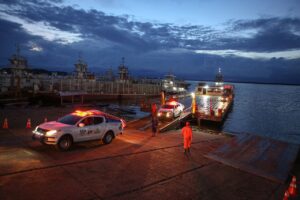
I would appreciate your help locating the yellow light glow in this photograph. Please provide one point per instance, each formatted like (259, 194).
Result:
(82, 113)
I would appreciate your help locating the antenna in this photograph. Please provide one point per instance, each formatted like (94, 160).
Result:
(123, 61)
(170, 71)
(17, 49)
(79, 55)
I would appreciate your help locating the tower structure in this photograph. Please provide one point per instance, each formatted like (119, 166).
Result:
(81, 70)
(123, 71)
(219, 77)
(18, 63)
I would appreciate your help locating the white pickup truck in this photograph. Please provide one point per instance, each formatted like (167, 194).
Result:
(170, 110)
(79, 126)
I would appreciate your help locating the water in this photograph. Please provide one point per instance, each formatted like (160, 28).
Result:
(267, 110)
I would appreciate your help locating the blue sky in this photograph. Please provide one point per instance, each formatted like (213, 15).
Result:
(196, 12)
(250, 40)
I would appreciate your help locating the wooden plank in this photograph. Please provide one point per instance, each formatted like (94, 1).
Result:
(265, 157)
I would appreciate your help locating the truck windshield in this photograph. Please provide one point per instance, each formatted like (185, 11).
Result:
(69, 119)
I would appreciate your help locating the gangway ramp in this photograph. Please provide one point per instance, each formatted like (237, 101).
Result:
(265, 157)
(171, 125)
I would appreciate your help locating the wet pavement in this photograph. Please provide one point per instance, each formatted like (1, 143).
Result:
(134, 166)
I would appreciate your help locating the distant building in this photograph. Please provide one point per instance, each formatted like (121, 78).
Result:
(109, 75)
(81, 70)
(123, 71)
(18, 63)
(19, 77)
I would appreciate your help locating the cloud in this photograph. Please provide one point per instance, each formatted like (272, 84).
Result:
(67, 24)
(34, 47)
(264, 35)
(62, 22)
(53, 34)
(289, 54)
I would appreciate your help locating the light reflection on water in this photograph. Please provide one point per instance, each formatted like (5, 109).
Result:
(269, 110)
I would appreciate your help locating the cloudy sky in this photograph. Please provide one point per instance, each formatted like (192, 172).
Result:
(250, 40)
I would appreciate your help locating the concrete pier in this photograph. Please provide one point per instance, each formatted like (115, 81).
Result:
(134, 166)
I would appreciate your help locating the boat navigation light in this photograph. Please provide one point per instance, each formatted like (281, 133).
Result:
(206, 87)
(193, 95)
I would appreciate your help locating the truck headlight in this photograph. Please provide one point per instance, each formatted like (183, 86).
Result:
(51, 133)
(168, 114)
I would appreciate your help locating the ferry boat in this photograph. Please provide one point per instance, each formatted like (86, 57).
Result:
(171, 85)
(213, 101)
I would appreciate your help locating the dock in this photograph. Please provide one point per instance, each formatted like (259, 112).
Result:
(265, 157)
(134, 166)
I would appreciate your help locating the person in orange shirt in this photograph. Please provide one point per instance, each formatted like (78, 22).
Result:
(154, 110)
(187, 137)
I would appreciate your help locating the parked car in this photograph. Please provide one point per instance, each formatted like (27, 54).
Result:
(79, 126)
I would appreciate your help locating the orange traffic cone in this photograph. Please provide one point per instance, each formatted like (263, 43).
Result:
(293, 187)
(5, 124)
(45, 120)
(286, 195)
(28, 124)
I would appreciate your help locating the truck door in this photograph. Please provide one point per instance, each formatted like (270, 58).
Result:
(86, 132)
(99, 127)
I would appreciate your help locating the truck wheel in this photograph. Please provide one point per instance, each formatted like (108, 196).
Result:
(64, 143)
(109, 136)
